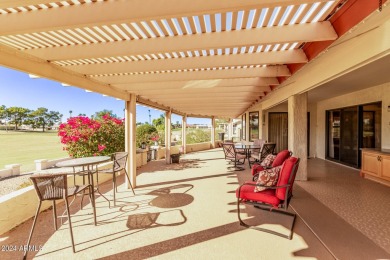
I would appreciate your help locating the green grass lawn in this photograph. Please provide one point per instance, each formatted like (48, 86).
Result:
(25, 147)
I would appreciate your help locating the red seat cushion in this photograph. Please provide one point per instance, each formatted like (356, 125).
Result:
(284, 176)
(281, 157)
(266, 196)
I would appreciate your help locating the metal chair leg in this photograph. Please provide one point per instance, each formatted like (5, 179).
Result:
(32, 230)
(131, 186)
(82, 197)
(70, 224)
(114, 186)
(55, 215)
(92, 194)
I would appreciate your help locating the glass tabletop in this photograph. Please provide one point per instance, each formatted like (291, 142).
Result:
(84, 161)
(247, 146)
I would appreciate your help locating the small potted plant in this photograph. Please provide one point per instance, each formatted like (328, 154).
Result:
(155, 138)
(175, 158)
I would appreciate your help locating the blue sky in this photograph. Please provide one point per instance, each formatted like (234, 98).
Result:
(18, 89)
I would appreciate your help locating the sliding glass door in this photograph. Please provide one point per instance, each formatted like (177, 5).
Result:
(278, 130)
(333, 136)
(352, 128)
(349, 150)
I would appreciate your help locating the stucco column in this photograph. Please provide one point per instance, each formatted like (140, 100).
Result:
(261, 124)
(247, 137)
(168, 137)
(184, 134)
(213, 132)
(130, 147)
(230, 129)
(297, 131)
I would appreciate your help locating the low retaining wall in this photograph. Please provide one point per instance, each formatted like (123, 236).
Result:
(198, 147)
(10, 170)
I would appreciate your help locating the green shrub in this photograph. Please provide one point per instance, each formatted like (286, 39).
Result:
(198, 136)
(144, 133)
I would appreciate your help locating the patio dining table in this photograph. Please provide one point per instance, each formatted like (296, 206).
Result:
(247, 148)
(87, 164)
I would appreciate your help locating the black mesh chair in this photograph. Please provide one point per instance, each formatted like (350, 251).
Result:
(233, 156)
(119, 164)
(55, 187)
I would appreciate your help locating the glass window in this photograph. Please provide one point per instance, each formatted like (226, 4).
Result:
(253, 126)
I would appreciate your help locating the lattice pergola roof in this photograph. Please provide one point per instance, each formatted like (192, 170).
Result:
(207, 58)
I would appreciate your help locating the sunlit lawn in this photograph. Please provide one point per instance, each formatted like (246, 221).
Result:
(25, 147)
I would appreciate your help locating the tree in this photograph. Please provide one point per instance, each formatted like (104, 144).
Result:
(3, 112)
(70, 113)
(100, 114)
(37, 118)
(44, 118)
(31, 121)
(4, 115)
(17, 115)
(52, 117)
(159, 123)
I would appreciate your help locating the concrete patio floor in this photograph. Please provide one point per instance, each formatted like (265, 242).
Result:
(188, 211)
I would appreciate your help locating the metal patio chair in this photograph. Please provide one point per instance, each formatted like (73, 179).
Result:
(119, 164)
(55, 187)
(233, 156)
(266, 149)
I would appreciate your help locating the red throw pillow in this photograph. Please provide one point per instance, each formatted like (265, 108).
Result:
(267, 162)
(268, 177)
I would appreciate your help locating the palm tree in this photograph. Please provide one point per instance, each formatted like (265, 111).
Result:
(70, 113)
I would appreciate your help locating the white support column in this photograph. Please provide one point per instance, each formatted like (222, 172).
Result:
(261, 124)
(213, 132)
(247, 127)
(184, 134)
(230, 129)
(168, 137)
(130, 147)
(297, 131)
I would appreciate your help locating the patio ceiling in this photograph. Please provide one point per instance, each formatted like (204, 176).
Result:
(200, 58)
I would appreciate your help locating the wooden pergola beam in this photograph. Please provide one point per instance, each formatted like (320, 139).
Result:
(262, 82)
(269, 71)
(117, 12)
(308, 32)
(211, 91)
(20, 61)
(274, 57)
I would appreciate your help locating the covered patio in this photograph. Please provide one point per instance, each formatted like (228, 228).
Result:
(188, 211)
(205, 59)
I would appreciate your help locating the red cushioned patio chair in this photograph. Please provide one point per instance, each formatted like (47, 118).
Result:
(279, 160)
(275, 199)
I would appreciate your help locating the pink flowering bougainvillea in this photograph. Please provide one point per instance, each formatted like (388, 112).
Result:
(83, 136)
